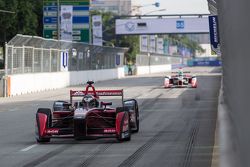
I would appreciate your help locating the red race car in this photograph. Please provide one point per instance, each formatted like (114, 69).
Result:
(180, 79)
(89, 117)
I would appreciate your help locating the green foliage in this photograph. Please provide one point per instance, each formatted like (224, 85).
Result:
(27, 18)
(186, 42)
(109, 37)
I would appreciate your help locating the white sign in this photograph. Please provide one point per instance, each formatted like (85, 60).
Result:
(162, 26)
(160, 48)
(152, 43)
(97, 29)
(144, 43)
(66, 22)
(173, 50)
(64, 61)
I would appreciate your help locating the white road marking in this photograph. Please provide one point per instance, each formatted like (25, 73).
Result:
(28, 148)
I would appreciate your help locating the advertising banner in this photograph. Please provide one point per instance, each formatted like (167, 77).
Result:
(97, 30)
(214, 34)
(66, 22)
(144, 43)
(162, 25)
(160, 48)
(152, 42)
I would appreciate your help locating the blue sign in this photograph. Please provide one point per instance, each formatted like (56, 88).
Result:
(50, 20)
(80, 19)
(207, 63)
(180, 24)
(214, 31)
(117, 60)
(65, 59)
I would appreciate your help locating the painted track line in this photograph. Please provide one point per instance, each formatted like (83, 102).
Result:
(29, 147)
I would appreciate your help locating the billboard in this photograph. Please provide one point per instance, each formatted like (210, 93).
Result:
(162, 26)
(97, 30)
(80, 19)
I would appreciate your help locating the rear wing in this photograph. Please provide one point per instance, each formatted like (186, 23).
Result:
(96, 93)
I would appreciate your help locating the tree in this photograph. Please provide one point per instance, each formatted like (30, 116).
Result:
(27, 18)
(109, 36)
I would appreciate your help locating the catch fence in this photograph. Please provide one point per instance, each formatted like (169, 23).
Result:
(29, 54)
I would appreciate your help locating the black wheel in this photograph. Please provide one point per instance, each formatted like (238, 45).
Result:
(47, 112)
(137, 122)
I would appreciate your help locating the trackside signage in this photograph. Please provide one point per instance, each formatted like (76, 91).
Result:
(214, 33)
(162, 25)
(64, 61)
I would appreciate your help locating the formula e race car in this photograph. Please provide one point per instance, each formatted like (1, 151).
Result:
(180, 79)
(88, 118)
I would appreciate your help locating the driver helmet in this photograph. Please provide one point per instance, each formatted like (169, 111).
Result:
(89, 101)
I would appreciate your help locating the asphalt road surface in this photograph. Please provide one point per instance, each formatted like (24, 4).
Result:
(177, 127)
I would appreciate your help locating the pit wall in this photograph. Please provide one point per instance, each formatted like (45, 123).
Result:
(155, 63)
(35, 82)
(234, 34)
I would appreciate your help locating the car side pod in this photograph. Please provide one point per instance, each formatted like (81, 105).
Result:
(194, 82)
(123, 131)
(43, 122)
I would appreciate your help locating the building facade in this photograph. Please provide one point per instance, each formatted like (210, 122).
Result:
(119, 7)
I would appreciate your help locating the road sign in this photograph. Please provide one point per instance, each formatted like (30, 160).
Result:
(80, 19)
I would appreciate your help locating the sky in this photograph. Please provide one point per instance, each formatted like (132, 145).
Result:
(175, 6)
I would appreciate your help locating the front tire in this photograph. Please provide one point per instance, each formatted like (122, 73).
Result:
(125, 136)
(46, 111)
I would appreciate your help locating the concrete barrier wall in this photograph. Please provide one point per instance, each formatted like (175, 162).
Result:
(140, 70)
(28, 83)
(234, 35)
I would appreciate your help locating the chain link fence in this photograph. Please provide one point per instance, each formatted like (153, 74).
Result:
(28, 54)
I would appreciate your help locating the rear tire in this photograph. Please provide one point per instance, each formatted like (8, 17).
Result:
(47, 112)
(137, 122)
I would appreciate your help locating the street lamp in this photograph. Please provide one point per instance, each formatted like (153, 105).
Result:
(6, 11)
(58, 20)
(160, 10)
(157, 4)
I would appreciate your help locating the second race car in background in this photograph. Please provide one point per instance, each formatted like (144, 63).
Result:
(180, 79)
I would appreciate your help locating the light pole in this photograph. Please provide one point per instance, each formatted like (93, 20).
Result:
(6, 11)
(58, 20)
(156, 4)
(160, 10)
